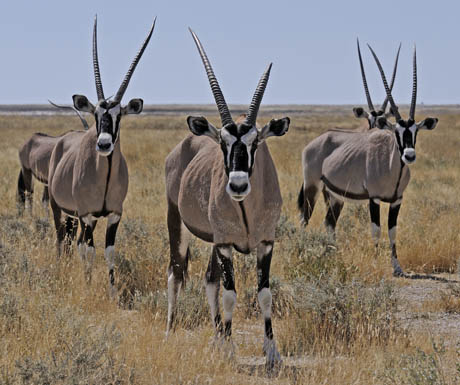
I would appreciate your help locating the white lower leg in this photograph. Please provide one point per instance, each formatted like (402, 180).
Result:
(212, 293)
(376, 232)
(229, 302)
(173, 292)
(394, 260)
(109, 255)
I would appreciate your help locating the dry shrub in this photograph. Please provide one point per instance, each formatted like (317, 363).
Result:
(192, 305)
(420, 368)
(335, 316)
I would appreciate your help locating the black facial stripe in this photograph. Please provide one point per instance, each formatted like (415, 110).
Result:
(239, 157)
(407, 139)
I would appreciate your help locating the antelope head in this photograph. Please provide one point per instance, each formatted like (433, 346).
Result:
(108, 112)
(238, 140)
(404, 130)
(372, 114)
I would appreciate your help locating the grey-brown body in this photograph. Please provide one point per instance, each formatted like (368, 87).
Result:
(359, 166)
(196, 182)
(80, 182)
(34, 157)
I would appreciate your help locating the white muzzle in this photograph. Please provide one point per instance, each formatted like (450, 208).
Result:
(104, 144)
(238, 186)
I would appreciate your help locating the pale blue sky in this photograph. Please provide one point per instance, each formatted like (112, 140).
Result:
(46, 49)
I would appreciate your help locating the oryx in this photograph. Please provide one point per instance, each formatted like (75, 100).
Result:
(372, 115)
(88, 176)
(222, 187)
(368, 166)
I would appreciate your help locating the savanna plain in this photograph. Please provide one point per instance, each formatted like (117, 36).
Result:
(340, 317)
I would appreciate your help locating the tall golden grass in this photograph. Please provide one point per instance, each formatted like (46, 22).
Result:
(336, 305)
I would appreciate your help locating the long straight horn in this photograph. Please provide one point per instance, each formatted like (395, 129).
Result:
(224, 112)
(366, 90)
(257, 98)
(384, 105)
(124, 84)
(414, 87)
(97, 74)
(82, 119)
(387, 89)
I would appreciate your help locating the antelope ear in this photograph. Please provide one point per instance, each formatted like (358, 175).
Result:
(200, 126)
(360, 112)
(134, 106)
(81, 103)
(427, 124)
(383, 123)
(276, 127)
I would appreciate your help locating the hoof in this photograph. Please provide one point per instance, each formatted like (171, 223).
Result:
(273, 359)
(398, 272)
(225, 345)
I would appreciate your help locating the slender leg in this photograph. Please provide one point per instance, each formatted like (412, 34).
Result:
(334, 207)
(88, 252)
(25, 190)
(60, 227)
(225, 260)
(392, 222)
(71, 226)
(45, 197)
(213, 274)
(179, 238)
(374, 209)
(112, 225)
(307, 201)
(264, 257)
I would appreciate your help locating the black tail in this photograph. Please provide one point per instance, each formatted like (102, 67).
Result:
(301, 201)
(21, 189)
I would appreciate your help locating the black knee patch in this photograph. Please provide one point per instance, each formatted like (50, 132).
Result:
(268, 329)
(228, 328)
(393, 216)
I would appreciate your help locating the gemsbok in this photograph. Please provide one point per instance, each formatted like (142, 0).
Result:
(372, 115)
(88, 176)
(368, 166)
(222, 187)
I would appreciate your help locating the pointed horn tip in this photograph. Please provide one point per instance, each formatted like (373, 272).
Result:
(153, 24)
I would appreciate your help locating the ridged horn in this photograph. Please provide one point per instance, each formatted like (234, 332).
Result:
(385, 102)
(83, 120)
(363, 75)
(97, 74)
(124, 85)
(257, 98)
(414, 87)
(224, 112)
(385, 84)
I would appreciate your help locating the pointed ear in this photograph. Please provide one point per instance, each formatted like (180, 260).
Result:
(360, 112)
(427, 124)
(383, 123)
(276, 127)
(81, 103)
(200, 126)
(134, 106)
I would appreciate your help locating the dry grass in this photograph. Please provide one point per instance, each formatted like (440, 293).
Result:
(335, 305)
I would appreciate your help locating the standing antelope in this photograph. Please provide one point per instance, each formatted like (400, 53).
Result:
(222, 187)
(369, 166)
(88, 176)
